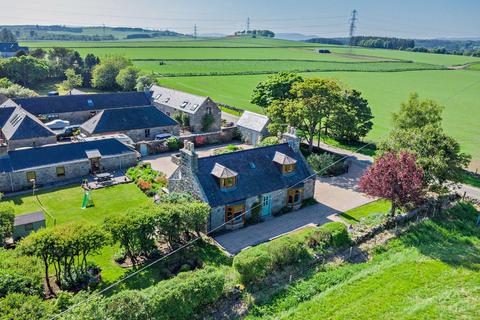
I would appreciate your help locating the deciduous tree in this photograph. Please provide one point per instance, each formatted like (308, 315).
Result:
(104, 74)
(395, 177)
(275, 87)
(127, 78)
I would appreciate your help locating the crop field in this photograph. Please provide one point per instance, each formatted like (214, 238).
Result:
(228, 69)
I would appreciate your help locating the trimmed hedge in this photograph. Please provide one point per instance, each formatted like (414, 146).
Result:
(177, 298)
(255, 264)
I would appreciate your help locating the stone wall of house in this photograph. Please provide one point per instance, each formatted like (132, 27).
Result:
(196, 118)
(139, 134)
(309, 189)
(279, 200)
(29, 143)
(250, 136)
(17, 180)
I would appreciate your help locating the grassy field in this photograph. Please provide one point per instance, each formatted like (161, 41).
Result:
(65, 206)
(365, 69)
(431, 272)
(457, 90)
(354, 216)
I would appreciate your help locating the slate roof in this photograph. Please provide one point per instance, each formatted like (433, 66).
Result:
(83, 102)
(23, 219)
(114, 120)
(11, 47)
(179, 100)
(253, 121)
(22, 159)
(22, 125)
(260, 178)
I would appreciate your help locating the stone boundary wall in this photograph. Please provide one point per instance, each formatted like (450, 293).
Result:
(199, 139)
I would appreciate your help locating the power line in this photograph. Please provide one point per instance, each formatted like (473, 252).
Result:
(196, 239)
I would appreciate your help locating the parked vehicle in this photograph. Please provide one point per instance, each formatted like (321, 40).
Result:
(68, 131)
(162, 136)
(57, 124)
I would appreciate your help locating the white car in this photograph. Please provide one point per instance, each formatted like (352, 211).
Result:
(57, 124)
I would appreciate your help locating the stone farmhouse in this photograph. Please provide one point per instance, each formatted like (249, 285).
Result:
(10, 49)
(253, 127)
(199, 110)
(78, 108)
(272, 178)
(19, 129)
(139, 123)
(49, 164)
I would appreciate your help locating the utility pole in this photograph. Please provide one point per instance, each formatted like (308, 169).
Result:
(248, 25)
(195, 31)
(353, 21)
(104, 29)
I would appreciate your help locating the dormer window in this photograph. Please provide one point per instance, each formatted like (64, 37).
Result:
(287, 164)
(227, 178)
(288, 168)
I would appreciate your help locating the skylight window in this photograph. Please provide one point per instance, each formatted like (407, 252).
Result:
(166, 100)
(251, 165)
(90, 102)
(184, 104)
(194, 107)
(157, 97)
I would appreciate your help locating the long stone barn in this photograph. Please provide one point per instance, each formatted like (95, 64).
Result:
(51, 164)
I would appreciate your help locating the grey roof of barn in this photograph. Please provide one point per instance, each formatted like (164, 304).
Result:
(24, 219)
(257, 174)
(22, 159)
(123, 119)
(253, 121)
(182, 101)
(83, 102)
(17, 124)
(11, 47)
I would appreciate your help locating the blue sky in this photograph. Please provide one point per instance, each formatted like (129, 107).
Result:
(401, 18)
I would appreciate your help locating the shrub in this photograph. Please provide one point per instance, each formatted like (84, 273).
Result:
(22, 307)
(324, 164)
(207, 121)
(173, 143)
(268, 141)
(19, 274)
(255, 264)
(148, 180)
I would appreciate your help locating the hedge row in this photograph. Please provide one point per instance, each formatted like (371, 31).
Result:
(177, 298)
(255, 264)
(258, 72)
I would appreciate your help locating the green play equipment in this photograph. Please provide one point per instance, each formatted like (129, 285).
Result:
(87, 200)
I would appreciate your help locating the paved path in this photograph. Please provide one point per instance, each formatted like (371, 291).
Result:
(235, 241)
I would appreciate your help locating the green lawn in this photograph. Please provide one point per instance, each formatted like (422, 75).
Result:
(65, 205)
(354, 216)
(431, 272)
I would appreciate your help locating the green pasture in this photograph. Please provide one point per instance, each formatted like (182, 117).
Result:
(457, 90)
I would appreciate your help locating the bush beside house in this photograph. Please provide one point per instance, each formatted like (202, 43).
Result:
(148, 180)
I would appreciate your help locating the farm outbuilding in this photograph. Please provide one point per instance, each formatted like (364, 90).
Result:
(26, 223)
(253, 127)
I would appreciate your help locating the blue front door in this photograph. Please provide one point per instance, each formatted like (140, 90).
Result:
(266, 205)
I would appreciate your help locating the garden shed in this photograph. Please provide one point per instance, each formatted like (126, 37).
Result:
(26, 223)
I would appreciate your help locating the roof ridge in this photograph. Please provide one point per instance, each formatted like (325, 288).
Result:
(244, 150)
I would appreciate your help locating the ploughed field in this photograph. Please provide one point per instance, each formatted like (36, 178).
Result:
(228, 69)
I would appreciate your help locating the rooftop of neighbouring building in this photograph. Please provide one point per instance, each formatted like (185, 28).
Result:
(17, 124)
(22, 159)
(182, 101)
(123, 119)
(83, 102)
(253, 121)
(24, 219)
